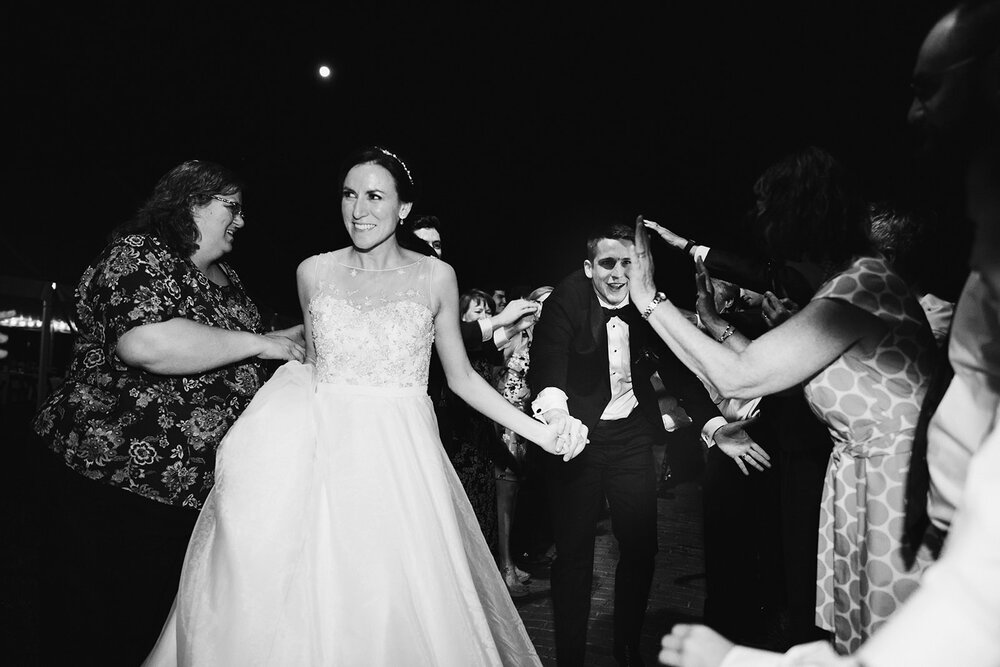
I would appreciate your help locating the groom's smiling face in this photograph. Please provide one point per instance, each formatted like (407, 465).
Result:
(607, 270)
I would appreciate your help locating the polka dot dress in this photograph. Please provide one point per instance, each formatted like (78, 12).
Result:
(870, 401)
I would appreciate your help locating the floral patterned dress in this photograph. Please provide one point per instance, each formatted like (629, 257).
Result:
(870, 402)
(154, 435)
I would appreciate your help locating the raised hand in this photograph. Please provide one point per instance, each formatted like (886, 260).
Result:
(672, 239)
(514, 311)
(641, 287)
(705, 302)
(733, 440)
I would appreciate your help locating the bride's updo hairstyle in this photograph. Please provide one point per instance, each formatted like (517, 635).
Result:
(391, 162)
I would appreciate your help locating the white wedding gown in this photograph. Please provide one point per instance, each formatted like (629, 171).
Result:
(337, 532)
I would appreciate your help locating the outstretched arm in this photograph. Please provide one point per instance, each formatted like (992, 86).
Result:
(781, 358)
(468, 385)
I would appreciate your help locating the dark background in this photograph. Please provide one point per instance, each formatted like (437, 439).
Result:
(523, 124)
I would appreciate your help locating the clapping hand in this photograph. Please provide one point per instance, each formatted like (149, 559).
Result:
(705, 302)
(733, 440)
(641, 287)
(775, 310)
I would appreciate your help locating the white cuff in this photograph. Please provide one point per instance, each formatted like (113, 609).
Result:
(709, 429)
(550, 398)
(699, 252)
(500, 337)
(486, 328)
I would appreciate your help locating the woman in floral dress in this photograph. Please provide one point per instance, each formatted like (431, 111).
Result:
(167, 357)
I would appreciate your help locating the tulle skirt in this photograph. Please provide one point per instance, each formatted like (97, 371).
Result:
(337, 533)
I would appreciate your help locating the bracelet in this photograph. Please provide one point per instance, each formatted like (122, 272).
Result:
(690, 244)
(657, 300)
(726, 334)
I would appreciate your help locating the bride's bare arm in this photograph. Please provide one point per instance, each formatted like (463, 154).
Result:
(304, 279)
(464, 381)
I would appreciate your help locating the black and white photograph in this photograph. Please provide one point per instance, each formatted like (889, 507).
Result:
(474, 334)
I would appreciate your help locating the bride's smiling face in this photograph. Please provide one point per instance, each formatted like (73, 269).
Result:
(370, 205)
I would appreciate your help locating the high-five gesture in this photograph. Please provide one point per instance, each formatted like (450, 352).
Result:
(641, 287)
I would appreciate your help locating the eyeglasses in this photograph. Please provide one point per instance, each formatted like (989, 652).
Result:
(232, 205)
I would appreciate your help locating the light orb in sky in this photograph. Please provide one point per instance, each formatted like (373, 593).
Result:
(325, 72)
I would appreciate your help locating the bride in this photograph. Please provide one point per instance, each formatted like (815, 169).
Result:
(337, 532)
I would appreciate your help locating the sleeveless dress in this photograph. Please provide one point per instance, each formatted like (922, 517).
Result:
(870, 403)
(337, 532)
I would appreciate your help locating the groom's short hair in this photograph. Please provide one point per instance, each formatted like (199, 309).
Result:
(615, 230)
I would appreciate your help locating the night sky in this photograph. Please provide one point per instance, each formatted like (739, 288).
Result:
(522, 124)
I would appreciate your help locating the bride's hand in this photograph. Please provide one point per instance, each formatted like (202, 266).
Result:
(641, 287)
(567, 436)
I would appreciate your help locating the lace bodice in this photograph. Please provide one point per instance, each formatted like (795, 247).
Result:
(372, 327)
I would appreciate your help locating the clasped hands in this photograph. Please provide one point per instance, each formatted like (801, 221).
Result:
(569, 435)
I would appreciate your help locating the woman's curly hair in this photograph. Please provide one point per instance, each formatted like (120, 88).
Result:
(810, 208)
(168, 213)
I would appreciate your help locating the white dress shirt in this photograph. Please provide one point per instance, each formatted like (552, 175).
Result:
(623, 399)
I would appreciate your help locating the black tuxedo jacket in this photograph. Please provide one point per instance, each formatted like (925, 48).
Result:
(570, 351)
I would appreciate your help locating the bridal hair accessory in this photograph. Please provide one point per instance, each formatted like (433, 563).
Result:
(402, 164)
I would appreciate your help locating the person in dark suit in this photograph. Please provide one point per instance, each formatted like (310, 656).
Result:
(592, 358)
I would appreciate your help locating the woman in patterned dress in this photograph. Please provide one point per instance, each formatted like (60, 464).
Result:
(167, 357)
(862, 349)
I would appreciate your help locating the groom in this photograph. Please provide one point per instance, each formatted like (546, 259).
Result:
(592, 357)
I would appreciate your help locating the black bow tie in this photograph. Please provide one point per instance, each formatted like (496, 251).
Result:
(614, 312)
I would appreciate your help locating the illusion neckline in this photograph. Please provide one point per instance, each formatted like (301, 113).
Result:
(393, 268)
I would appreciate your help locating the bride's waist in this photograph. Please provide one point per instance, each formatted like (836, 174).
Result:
(389, 391)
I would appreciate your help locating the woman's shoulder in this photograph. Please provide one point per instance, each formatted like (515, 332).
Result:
(870, 284)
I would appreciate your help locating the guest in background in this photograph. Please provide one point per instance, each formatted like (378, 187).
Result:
(510, 461)
(472, 450)
(904, 240)
(427, 228)
(168, 356)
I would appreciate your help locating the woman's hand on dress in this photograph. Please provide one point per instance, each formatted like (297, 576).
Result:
(734, 442)
(277, 346)
(672, 239)
(567, 434)
(641, 287)
(296, 334)
(775, 310)
(694, 646)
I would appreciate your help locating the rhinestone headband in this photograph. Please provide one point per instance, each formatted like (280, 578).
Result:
(402, 164)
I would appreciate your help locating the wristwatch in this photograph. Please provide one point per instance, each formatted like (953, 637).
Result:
(657, 300)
